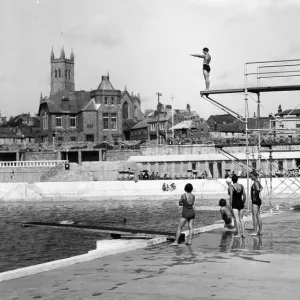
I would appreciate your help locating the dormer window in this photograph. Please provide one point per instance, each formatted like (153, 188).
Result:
(106, 100)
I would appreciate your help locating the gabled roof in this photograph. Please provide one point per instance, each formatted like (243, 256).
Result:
(141, 124)
(183, 125)
(162, 117)
(91, 106)
(130, 123)
(77, 101)
(292, 112)
(221, 119)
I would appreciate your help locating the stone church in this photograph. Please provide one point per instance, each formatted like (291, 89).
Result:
(67, 115)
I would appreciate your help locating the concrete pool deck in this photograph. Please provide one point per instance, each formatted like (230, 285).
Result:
(216, 266)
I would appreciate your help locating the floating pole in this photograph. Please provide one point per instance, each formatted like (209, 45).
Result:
(115, 232)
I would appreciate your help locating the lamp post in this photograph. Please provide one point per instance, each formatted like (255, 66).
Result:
(158, 111)
(172, 118)
(67, 156)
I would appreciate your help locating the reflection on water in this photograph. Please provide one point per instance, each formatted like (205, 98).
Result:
(22, 247)
(229, 243)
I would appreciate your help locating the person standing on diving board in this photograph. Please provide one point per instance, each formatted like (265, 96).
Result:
(206, 68)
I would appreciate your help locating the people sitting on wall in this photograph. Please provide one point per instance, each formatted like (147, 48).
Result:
(157, 177)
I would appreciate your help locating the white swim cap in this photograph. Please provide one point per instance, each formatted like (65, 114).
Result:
(228, 180)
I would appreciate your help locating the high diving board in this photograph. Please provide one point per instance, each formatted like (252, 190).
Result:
(256, 90)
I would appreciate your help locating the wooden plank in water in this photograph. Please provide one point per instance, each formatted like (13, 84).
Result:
(116, 232)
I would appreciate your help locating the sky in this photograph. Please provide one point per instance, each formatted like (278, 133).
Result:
(145, 46)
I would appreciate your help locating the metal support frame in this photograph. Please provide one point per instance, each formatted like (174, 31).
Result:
(258, 90)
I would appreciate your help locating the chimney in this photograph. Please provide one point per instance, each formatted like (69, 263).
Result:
(279, 109)
(188, 108)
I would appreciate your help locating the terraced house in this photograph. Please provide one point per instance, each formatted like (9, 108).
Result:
(70, 116)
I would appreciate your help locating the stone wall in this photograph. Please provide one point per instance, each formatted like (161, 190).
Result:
(60, 174)
(29, 156)
(121, 155)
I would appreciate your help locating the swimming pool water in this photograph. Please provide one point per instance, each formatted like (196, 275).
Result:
(21, 247)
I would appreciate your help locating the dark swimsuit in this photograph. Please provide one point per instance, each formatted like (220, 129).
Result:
(187, 209)
(255, 195)
(237, 202)
(227, 219)
(206, 67)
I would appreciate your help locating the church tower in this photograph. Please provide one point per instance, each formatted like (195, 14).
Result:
(62, 73)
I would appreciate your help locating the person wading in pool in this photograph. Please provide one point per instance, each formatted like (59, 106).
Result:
(227, 214)
(237, 203)
(187, 201)
(206, 67)
(256, 188)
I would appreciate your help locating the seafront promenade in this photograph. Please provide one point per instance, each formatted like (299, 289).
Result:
(209, 269)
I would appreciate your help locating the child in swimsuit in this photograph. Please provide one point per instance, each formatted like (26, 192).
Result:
(227, 214)
(187, 201)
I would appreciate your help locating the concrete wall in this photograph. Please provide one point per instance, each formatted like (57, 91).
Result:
(201, 149)
(108, 170)
(208, 192)
(22, 174)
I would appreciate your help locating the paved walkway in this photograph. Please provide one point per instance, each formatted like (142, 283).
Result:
(216, 266)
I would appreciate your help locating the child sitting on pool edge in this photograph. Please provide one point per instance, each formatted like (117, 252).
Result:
(227, 214)
(187, 201)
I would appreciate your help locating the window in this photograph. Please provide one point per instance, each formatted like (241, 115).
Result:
(105, 100)
(105, 121)
(90, 138)
(135, 114)
(58, 121)
(89, 126)
(280, 165)
(66, 73)
(45, 120)
(112, 100)
(59, 73)
(73, 138)
(297, 125)
(281, 125)
(254, 166)
(72, 121)
(55, 73)
(125, 110)
(152, 126)
(194, 165)
(113, 119)
(59, 139)
(161, 126)
(69, 74)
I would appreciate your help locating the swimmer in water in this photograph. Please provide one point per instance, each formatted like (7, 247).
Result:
(206, 67)
(187, 201)
(227, 214)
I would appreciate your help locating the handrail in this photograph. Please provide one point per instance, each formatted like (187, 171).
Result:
(37, 163)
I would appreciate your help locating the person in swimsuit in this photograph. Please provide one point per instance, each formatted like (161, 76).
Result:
(206, 67)
(256, 188)
(187, 201)
(237, 203)
(227, 214)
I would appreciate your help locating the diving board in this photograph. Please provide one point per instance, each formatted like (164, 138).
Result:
(256, 90)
